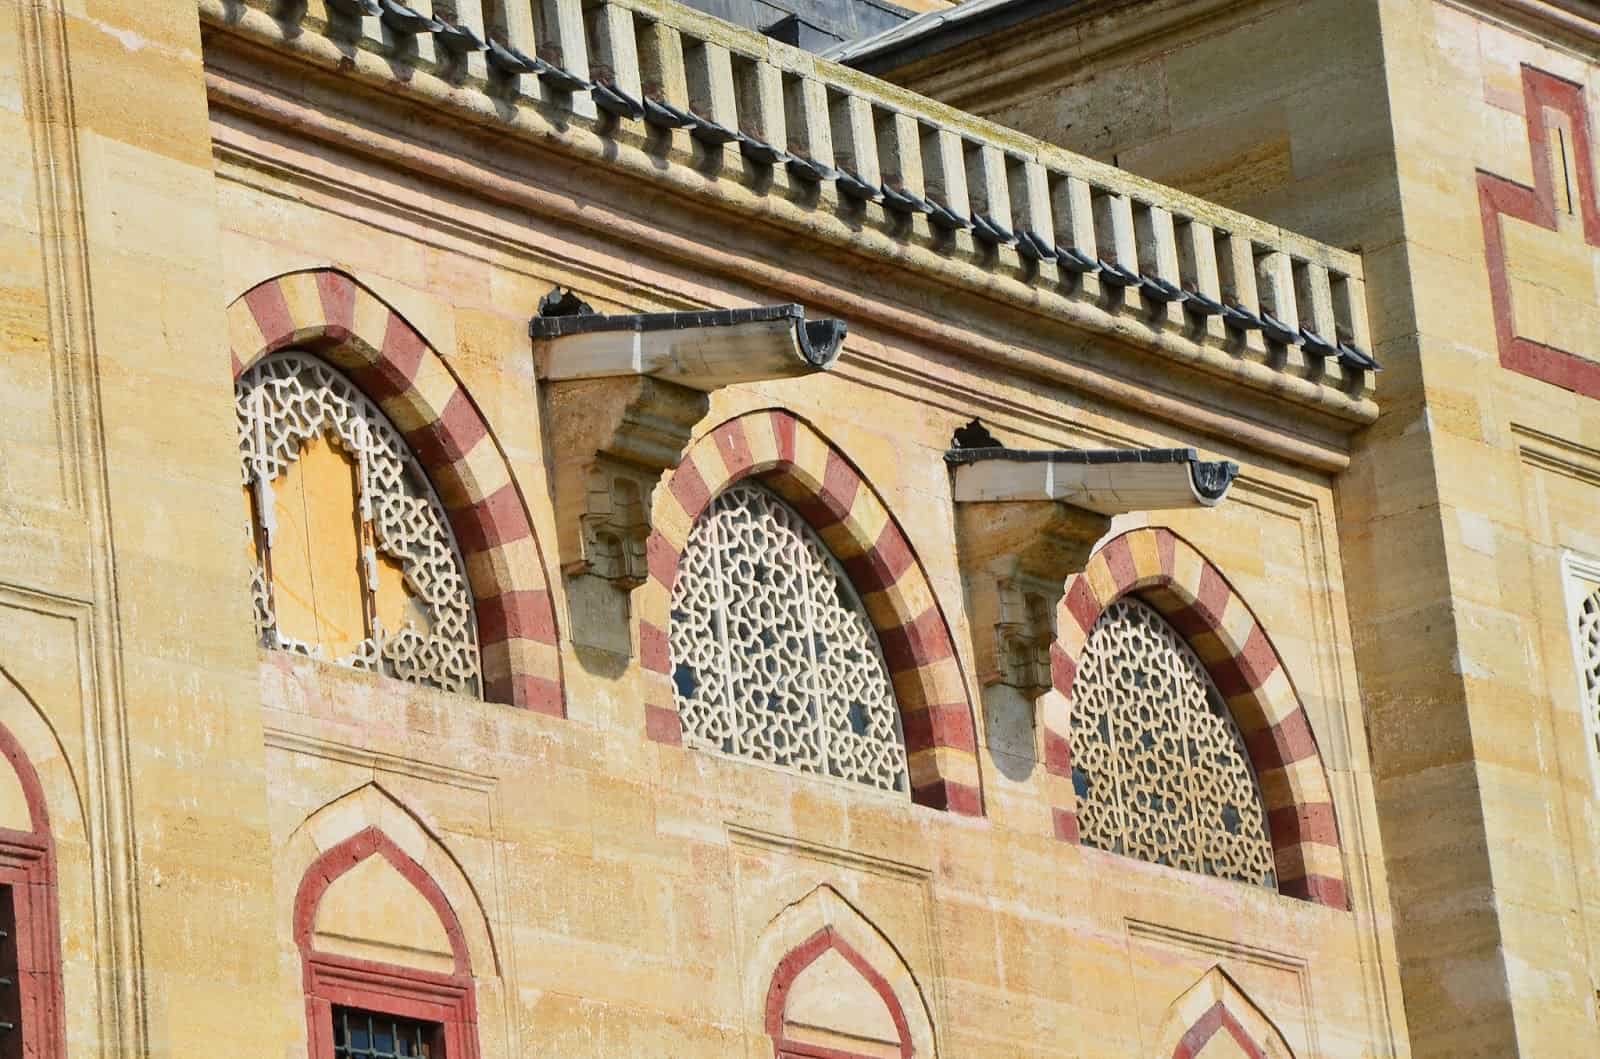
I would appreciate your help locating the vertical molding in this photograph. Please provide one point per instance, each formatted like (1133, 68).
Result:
(123, 1021)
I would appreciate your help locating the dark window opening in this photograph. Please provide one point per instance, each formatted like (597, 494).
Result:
(12, 1034)
(368, 1035)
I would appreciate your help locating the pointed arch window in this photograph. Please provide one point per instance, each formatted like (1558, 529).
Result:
(773, 656)
(352, 555)
(1160, 768)
(1582, 576)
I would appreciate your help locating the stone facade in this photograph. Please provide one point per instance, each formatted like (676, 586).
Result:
(210, 845)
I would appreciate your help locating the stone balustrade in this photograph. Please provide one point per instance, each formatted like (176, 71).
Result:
(934, 187)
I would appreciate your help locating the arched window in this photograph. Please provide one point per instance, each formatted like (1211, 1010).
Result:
(1583, 604)
(385, 965)
(353, 557)
(773, 657)
(1161, 771)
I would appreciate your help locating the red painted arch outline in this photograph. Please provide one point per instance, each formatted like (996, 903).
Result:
(27, 865)
(788, 972)
(796, 462)
(332, 315)
(333, 980)
(1499, 196)
(1168, 573)
(1216, 1019)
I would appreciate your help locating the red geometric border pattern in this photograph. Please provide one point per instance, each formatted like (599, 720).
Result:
(1498, 196)
(331, 980)
(1215, 1020)
(790, 968)
(1166, 572)
(27, 865)
(332, 315)
(797, 463)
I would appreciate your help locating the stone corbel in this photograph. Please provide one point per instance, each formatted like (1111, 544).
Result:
(621, 398)
(1026, 520)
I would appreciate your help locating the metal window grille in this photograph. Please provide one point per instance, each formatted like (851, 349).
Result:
(773, 656)
(365, 1035)
(285, 401)
(1160, 768)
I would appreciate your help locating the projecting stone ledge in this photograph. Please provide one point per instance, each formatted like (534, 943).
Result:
(701, 350)
(1027, 519)
(1107, 481)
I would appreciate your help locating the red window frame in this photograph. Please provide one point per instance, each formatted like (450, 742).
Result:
(27, 866)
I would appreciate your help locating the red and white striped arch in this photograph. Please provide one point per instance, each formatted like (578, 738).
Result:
(799, 465)
(1168, 573)
(328, 313)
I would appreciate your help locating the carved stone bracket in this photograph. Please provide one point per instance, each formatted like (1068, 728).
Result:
(1015, 558)
(621, 397)
(1027, 520)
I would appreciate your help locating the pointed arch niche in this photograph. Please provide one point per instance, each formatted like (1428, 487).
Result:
(824, 983)
(1213, 1019)
(1165, 572)
(328, 314)
(791, 459)
(385, 921)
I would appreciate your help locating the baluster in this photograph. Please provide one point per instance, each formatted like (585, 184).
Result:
(1157, 247)
(944, 180)
(1275, 276)
(855, 148)
(508, 24)
(1350, 312)
(810, 128)
(1199, 275)
(708, 68)
(1119, 253)
(1076, 252)
(1236, 267)
(758, 95)
(1314, 304)
(899, 140)
(989, 194)
(558, 28)
(1030, 209)
(661, 73)
(616, 57)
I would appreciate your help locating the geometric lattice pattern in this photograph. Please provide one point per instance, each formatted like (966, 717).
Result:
(773, 657)
(347, 326)
(1173, 578)
(1589, 665)
(288, 399)
(815, 479)
(1160, 769)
